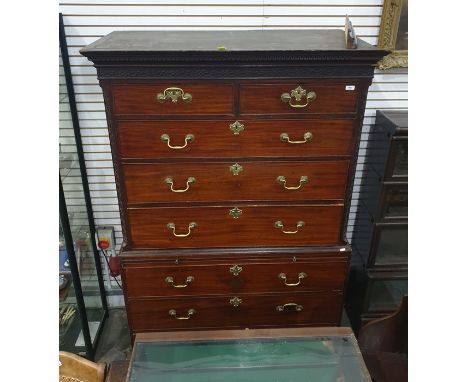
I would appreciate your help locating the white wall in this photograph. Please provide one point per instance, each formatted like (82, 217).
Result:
(87, 20)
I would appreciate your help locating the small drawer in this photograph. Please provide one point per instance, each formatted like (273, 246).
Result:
(234, 225)
(173, 99)
(235, 138)
(236, 311)
(234, 277)
(310, 97)
(228, 181)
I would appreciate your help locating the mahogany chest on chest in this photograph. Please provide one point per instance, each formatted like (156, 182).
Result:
(234, 155)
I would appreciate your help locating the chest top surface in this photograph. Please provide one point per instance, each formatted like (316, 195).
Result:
(257, 46)
(208, 41)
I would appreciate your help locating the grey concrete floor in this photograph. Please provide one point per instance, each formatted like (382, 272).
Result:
(114, 342)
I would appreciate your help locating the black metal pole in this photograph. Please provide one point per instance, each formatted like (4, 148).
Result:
(74, 272)
(79, 147)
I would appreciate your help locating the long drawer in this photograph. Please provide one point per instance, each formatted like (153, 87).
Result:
(227, 181)
(173, 98)
(235, 138)
(143, 280)
(306, 97)
(236, 226)
(244, 311)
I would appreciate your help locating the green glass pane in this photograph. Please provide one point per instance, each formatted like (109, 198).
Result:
(386, 295)
(393, 246)
(281, 359)
(396, 202)
(401, 159)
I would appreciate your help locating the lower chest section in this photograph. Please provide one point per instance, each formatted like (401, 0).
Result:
(242, 290)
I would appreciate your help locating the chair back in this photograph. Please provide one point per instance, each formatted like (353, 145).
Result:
(74, 368)
(387, 334)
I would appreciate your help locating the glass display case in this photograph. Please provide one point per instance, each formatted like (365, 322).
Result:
(379, 267)
(398, 164)
(385, 292)
(297, 355)
(82, 300)
(395, 201)
(390, 245)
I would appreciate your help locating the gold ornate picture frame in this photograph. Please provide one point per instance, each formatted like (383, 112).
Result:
(393, 34)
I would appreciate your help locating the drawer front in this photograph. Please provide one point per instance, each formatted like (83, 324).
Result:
(233, 277)
(247, 138)
(227, 181)
(311, 97)
(236, 226)
(313, 308)
(155, 99)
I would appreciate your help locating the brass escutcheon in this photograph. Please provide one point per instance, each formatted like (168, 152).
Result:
(173, 94)
(236, 168)
(235, 212)
(235, 301)
(296, 95)
(236, 127)
(235, 270)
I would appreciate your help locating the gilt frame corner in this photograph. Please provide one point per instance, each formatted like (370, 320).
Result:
(389, 24)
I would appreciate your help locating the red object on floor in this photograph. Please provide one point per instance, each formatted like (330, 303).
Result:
(114, 266)
(103, 244)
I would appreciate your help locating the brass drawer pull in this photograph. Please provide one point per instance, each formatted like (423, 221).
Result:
(173, 94)
(279, 224)
(170, 182)
(300, 276)
(235, 301)
(188, 138)
(190, 313)
(282, 180)
(285, 138)
(172, 227)
(297, 307)
(188, 280)
(296, 96)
